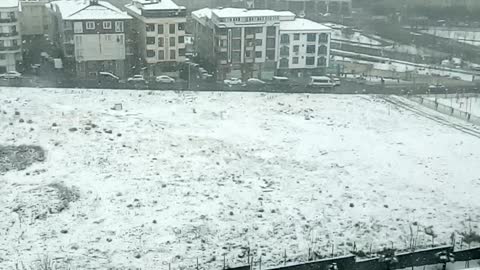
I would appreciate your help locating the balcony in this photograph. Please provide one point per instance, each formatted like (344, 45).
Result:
(9, 49)
(9, 20)
(9, 34)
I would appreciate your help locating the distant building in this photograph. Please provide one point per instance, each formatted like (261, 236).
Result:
(159, 26)
(255, 43)
(10, 38)
(34, 17)
(91, 36)
(308, 7)
(304, 47)
(468, 4)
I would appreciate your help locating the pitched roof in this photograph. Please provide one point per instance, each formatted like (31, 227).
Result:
(83, 10)
(149, 5)
(300, 24)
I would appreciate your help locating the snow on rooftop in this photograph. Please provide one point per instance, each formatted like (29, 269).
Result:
(242, 12)
(8, 3)
(301, 24)
(203, 13)
(83, 10)
(151, 5)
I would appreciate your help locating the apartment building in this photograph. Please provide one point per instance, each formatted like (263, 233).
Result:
(34, 17)
(308, 7)
(260, 43)
(304, 47)
(239, 42)
(159, 29)
(10, 38)
(91, 35)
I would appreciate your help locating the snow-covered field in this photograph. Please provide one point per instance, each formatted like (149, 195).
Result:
(466, 104)
(469, 37)
(175, 177)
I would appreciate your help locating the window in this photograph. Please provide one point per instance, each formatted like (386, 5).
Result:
(90, 25)
(161, 55)
(78, 27)
(172, 42)
(258, 30)
(284, 51)
(296, 48)
(258, 54)
(322, 61)
(67, 25)
(258, 42)
(236, 44)
(171, 29)
(236, 57)
(271, 31)
(118, 26)
(284, 63)
(2, 56)
(181, 26)
(322, 50)
(150, 53)
(270, 55)
(107, 25)
(311, 37)
(296, 36)
(161, 42)
(172, 55)
(236, 32)
(150, 40)
(160, 29)
(310, 61)
(311, 48)
(150, 27)
(270, 43)
(181, 52)
(285, 38)
(248, 54)
(181, 39)
(295, 60)
(323, 37)
(120, 39)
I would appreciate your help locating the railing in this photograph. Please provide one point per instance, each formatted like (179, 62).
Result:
(11, 48)
(9, 20)
(9, 34)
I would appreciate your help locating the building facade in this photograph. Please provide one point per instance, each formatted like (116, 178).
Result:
(10, 38)
(259, 43)
(159, 28)
(239, 42)
(91, 36)
(34, 17)
(308, 7)
(304, 47)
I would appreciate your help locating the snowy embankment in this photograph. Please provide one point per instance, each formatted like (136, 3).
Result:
(469, 104)
(176, 177)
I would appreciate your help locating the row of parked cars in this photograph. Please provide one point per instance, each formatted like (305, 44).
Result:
(315, 81)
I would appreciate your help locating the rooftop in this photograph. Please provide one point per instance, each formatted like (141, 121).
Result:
(242, 12)
(83, 10)
(138, 5)
(300, 24)
(8, 3)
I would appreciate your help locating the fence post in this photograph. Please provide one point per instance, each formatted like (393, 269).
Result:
(260, 263)
(224, 261)
(197, 263)
(285, 257)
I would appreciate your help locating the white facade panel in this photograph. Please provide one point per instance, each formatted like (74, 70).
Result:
(99, 47)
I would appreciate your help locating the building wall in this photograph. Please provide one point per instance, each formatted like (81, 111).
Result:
(34, 17)
(99, 47)
(10, 39)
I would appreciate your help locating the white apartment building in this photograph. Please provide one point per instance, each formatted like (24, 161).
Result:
(10, 38)
(34, 17)
(239, 42)
(304, 47)
(91, 35)
(159, 29)
(248, 43)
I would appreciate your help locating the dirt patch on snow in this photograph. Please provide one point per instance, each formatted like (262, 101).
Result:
(19, 157)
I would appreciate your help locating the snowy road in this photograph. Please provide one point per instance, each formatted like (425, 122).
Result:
(198, 175)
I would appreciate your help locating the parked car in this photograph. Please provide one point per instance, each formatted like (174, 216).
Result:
(11, 75)
(280, 80)
(336, 81)
(136, 79)
(164, 79)
(202, 70)
(107, 76)
(232, 81)
(321, 82)
(255, 81)
(456, 78)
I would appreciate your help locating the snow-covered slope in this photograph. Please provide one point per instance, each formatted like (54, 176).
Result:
(199, 175)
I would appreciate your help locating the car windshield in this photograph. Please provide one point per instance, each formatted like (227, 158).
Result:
(240, 134)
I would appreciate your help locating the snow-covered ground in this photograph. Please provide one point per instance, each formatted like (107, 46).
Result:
(199, 175)
(355, 37)
(469, 37)
(466, 104)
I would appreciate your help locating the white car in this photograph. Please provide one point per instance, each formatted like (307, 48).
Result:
(336, 81)
(136, 78)
(164, 79)
(232, 81)
(11, 75)
(255, 81)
